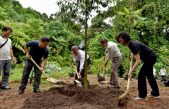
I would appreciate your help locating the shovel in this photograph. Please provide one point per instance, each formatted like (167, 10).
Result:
(101, 78)
(78, 75)
(122, 96)
(52, 80)
(80, 80)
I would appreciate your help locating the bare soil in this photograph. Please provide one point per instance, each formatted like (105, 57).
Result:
(73, 97)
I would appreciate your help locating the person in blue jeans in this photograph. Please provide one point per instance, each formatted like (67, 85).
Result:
(39, 52)
(141, 52)
(6, 55)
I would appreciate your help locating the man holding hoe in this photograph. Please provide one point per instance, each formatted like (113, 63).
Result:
(148, 56)
(113, 54)
(38, 51)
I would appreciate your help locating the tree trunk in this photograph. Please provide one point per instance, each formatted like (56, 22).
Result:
(86, 47)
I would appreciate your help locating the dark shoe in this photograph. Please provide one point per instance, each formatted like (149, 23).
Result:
(20, 92)
(6, 88)
(36, 90)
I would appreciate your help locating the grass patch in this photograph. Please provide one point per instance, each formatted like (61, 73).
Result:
(16, 74)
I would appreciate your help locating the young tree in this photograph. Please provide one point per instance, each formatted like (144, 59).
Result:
(81, 11)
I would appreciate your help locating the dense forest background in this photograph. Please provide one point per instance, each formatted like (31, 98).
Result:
(145, 20)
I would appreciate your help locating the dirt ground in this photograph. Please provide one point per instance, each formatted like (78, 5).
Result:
(72, 97)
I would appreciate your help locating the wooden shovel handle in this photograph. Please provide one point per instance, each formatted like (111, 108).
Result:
(30, 58)
(128, 82)
(78, 74)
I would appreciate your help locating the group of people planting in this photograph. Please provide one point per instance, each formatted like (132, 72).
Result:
(38, 51)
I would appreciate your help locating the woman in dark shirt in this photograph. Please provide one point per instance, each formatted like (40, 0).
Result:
(148, 57)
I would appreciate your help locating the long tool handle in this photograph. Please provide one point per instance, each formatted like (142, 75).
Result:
(78, 74)
(128, 82)
(131, 64)
(37, 66)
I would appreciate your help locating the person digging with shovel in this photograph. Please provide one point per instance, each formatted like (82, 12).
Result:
(148, 57)
(79, 60)
(38, 51)
(112, 53)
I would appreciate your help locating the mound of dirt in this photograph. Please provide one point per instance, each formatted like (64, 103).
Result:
(72, 97)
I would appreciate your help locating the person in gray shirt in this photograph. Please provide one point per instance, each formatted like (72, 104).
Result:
(113, 54)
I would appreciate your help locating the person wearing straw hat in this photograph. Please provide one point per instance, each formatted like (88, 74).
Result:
(39, 52)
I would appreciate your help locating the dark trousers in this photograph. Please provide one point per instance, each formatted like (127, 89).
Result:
(26, 72)
(114, 80)
(5, 67)
(147, 72)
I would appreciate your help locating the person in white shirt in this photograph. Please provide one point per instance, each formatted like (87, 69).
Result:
(163, 74)
(6, 54)
(79, 60)
(112, 53)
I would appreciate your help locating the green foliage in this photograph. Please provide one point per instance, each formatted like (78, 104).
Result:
(145, 20)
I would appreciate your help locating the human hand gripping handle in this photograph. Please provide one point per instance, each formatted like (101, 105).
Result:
(30, 57)
(78, 73)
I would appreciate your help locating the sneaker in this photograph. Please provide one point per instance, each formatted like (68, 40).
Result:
(151, 96)
(36, 90)
(20, 92)
(6, 88)
(138, 98)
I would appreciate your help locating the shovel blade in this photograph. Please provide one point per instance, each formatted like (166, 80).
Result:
(100, 78)
(52, 80)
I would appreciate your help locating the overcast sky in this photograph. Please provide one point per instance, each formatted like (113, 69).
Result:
(50, 7)
(43, 6)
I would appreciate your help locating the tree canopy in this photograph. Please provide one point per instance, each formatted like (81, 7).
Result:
(145, 20)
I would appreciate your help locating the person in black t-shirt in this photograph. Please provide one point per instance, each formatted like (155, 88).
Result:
(39, 52)
(148, 57)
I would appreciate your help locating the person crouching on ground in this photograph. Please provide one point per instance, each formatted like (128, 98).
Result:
(39, 52)
(79, 60)
(148, 56)
(113, 54)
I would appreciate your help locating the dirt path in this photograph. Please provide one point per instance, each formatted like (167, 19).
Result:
(71, 97)
(10, 100)
(162, 103)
